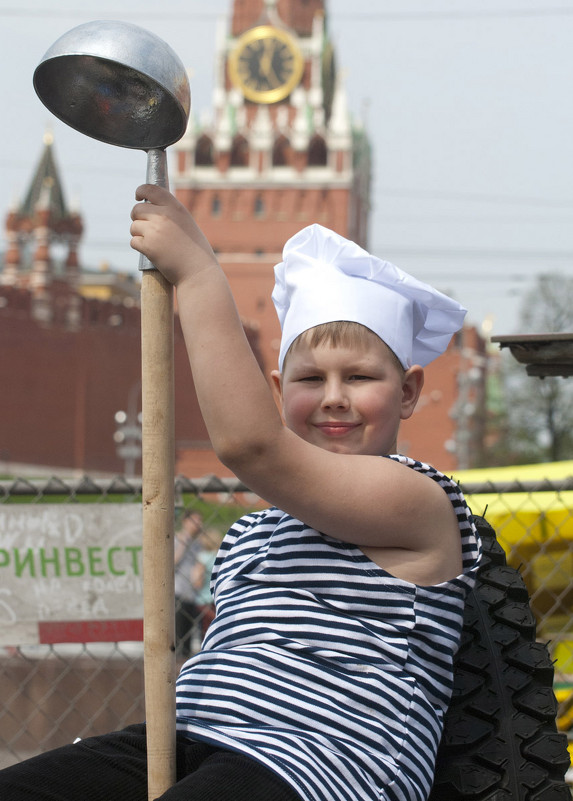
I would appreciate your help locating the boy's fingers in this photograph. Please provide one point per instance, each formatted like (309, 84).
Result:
(136, 242)
(151, 192)
(136, 231)
(142, 192)
(138, 212)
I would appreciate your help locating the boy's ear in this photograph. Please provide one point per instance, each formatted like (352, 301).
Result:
(411, 389)
(277, 389)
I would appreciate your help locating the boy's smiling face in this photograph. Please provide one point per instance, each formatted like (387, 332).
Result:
(347, 398)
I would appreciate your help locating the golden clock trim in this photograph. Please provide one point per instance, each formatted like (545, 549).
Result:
(266, 33)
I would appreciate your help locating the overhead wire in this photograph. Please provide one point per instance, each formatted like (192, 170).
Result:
(369, 16)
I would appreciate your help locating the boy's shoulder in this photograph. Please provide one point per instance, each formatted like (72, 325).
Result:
(425, 468)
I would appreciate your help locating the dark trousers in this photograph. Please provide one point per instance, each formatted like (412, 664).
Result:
(113, 767)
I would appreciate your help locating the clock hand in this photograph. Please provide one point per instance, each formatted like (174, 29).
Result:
(267, 68)
(266, 58)
(273, 79)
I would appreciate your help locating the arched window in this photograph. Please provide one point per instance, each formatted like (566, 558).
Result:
(281, 152)
(240, 152)
(215, 206)
(317, 156)
(204, 156)
(259, 207)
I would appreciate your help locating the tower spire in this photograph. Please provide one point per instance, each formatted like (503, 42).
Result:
(41, 218)
(46, 171)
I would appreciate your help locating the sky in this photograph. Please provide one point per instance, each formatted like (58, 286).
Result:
(467, 104)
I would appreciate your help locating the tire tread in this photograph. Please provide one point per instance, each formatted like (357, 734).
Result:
(500, 740)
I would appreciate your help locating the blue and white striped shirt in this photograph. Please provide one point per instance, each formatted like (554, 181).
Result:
(323, 666)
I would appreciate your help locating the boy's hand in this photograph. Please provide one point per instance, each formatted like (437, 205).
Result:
(166, 233)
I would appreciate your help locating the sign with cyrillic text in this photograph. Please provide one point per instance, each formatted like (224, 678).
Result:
(70, 573)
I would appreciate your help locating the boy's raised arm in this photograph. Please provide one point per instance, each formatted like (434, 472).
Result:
(234, 397)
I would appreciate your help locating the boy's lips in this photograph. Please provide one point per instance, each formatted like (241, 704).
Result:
(333, 428)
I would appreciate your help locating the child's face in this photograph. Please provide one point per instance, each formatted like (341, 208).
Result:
(347, 399)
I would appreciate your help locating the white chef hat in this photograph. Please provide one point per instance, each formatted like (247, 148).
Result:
(324, 277)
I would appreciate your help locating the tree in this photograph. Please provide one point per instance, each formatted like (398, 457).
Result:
(538, 422)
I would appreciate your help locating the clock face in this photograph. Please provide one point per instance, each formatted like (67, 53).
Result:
(266, 64)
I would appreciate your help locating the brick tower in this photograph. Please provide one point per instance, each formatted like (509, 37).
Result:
(36, 228)
(279, 153)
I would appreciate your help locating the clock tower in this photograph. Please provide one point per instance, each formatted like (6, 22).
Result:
(279, 150)
(266, 64)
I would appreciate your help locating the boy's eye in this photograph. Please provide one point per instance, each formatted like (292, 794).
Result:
(360, 378)
(310, 378)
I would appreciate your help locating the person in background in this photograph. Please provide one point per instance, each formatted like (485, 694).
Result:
(187, 612)
(210, 541)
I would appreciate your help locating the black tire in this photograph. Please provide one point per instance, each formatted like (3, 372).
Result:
(500, 740)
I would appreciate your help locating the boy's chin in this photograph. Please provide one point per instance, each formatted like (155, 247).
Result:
(342, 448)
(355, 450)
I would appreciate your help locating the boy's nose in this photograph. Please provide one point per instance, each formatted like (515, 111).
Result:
(335, 395)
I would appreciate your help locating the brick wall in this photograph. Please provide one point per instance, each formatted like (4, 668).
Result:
(61, 388)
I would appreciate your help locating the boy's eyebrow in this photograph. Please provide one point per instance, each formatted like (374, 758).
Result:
(357, 363)
(304, 368)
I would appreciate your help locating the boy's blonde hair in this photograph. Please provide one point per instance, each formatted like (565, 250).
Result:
(340, 333)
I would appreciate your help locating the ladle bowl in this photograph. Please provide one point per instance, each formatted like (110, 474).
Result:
(116, 82)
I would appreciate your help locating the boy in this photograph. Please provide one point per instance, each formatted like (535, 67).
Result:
(327, 670)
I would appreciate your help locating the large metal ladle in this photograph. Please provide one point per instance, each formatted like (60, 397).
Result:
(121, 84)
(116, 82)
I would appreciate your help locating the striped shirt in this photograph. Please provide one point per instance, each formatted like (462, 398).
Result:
(323, 666)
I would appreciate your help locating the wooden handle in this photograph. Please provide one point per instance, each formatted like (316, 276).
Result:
(158, 457)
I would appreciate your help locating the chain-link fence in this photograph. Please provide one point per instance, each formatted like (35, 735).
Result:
(57, 690)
